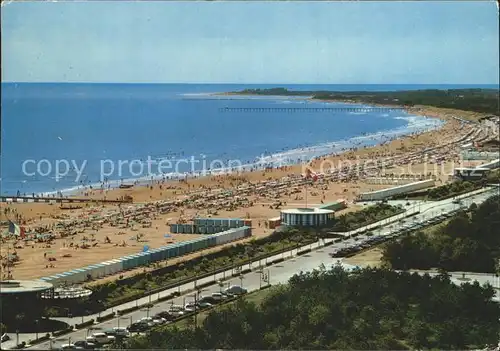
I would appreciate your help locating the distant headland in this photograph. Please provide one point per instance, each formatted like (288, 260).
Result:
(476, 100)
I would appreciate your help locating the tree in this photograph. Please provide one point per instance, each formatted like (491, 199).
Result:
(334, 309)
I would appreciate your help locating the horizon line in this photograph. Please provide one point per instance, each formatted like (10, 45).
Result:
(227, 83)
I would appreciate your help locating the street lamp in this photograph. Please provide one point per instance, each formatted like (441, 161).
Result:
(124, 318)
(265, 277)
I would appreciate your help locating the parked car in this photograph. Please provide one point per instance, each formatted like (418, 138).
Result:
(159, 321)
(228, 295)
(120, 332)
(164, 314)
(236, 290)
(176, 311)
(203, 305)
(85, 345)
(138, 327)
(208, 299)
(190, 307)
(5, 337)
(101, 338)
(219, 296)
(149, 321)
(69, 347)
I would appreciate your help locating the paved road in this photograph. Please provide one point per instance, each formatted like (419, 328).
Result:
(278, 273)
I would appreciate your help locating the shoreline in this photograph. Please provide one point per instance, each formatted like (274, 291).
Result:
(350, 145)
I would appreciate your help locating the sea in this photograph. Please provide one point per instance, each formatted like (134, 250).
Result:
(59, 138)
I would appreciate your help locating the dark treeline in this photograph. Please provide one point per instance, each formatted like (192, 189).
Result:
(370, 309)
(468, 242)
(478, 100)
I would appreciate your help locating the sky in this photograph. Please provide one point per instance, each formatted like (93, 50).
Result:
(412, 42)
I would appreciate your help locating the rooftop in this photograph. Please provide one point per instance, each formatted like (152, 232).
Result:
(23, 286)
(313, 210)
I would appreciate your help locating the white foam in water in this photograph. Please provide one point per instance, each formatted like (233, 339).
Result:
(294, 156)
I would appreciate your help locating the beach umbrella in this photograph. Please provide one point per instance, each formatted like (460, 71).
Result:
(145, 248)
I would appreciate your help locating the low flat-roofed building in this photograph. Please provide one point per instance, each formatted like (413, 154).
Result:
(307, 217)
(468, 173)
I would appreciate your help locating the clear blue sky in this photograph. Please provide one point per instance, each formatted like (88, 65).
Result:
(251, 42)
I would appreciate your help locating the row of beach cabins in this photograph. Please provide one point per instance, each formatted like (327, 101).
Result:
(209, 225)
(100, 270)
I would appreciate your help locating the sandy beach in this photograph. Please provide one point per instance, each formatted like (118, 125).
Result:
(96, 233)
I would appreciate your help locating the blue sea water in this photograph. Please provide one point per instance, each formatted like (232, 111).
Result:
(92, 126)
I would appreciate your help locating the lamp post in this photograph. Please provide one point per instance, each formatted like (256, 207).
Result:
(124, 318)
(265, 277)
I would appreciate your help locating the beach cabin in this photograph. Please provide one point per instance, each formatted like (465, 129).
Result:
(88, 272)
(162, 253)
(155, 255)
(133, 261)
(144, 258)
(60, 279)
(100, 270)
(105, 266)
(80, 274)
(117, 265)
(70, 278)
(127, 262)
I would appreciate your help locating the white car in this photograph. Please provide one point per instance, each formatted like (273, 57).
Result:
(236, 290)
(176, 310)
(69, 347)
(100, 338)
(190, 307)
(159, 321)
